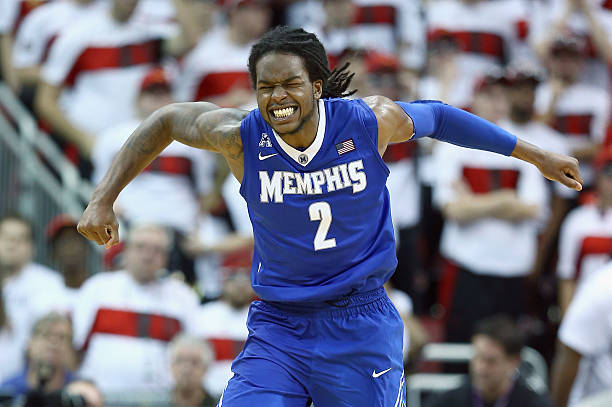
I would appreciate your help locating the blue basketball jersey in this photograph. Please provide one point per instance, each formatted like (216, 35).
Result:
(321, 217)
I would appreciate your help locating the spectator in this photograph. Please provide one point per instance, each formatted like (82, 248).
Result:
(68, 251)
(494, 379)
(39, 30)
(12, 13)
(487, 201)
(30, 290)
(209, 245)
(585, 19)
(189, 361)
(393, 26)
(583, 364)
(585, 243)
(91, 77)
(336, 32)
(222, 324)
(225, 81)
(49, 358)
(123, 320)
(523, 80)
(179, 177)
(383, 77)
(578, 110)
(489, 35)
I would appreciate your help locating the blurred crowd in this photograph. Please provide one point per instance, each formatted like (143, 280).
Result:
(478, 235)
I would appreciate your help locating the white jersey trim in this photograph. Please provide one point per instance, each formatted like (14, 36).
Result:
(313, 149)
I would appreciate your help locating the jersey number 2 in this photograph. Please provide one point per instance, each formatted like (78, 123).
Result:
(321, 211)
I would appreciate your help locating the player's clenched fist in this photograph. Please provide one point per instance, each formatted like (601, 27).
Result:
(561, 168)
(99, 224)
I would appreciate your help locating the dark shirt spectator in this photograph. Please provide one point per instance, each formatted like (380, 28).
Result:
(493, 377)
(50, 358)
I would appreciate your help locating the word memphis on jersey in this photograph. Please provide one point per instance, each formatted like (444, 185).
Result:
(347, 175)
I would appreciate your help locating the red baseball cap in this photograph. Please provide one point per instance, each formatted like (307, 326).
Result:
(155, 78)
(381, 62)
(58, 223)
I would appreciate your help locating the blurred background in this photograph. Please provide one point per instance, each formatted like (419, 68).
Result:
(491, 255)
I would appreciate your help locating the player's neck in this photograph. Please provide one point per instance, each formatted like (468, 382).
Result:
(304, 135)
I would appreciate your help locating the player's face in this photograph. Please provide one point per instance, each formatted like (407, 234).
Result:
(286, 97)
(491, 368)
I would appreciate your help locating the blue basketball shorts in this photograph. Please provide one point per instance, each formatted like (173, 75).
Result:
(345, 354)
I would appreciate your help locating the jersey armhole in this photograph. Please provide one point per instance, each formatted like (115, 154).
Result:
(370, 123)
(245, 156)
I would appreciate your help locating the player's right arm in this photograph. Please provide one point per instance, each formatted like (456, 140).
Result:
(202, 125)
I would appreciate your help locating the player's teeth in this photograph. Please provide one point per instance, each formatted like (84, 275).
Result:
(282, 113)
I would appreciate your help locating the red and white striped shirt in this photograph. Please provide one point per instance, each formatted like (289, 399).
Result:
(101, 69)
(124, 328)
(585, 242)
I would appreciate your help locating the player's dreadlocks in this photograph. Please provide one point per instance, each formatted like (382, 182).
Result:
(296, 41)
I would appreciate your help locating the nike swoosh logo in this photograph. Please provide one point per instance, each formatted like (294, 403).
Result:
(265, 157)
(374, 374)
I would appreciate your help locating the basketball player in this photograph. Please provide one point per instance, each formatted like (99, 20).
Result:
(310, 167)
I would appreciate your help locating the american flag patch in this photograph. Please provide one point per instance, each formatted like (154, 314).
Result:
(345, 146)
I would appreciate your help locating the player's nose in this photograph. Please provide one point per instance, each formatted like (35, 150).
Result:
(278, 93)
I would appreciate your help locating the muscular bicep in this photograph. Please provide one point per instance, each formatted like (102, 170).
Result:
(204, 125)
(394, 125)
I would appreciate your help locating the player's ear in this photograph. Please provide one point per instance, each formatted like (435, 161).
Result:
(317, 89)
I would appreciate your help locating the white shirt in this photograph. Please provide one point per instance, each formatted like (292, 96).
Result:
(388, 26)
(215, 66)
(154, 196)
(585, 243)
(405, 37)
(29, 295)
(101, 69)
(40, 28)
(582, 114)
(543, 136)
(225, 329)
(489, 246)
(547, 14)
(503, 22)
(124, 327)
(587, 328)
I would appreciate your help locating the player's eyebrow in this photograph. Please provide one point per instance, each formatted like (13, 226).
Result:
(284, 81)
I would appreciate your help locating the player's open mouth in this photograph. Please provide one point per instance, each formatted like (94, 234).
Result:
(284, 114)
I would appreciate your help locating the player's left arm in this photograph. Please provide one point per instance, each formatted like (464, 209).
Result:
(401, 121)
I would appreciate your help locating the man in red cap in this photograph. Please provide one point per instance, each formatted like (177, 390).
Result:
(176, 179)
(578, 110)
(68, 250)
